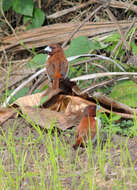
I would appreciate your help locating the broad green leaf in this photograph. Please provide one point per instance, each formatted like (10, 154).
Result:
(37, 20)
(7, 4)
(37, 61)
(80, 45)
(125, 92)
(24, 7)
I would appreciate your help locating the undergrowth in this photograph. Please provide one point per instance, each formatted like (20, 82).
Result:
(42, 159)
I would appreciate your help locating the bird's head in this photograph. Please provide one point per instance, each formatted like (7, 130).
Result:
(90, 111)
(52, 49)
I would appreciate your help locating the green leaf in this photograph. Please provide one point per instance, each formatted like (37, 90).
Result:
(24, 7)
(134, 47)
(125, 92)
(80, 45)
(19, 94)
(96, 45)
(115, 117)
(37, 20)
(7, 4)
(112, 38)
(37, 61)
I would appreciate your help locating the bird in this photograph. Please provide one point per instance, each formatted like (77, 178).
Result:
(57, 65)
(88, 125)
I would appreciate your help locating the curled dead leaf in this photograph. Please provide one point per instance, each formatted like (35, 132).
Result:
(76, 105)
(35, 99)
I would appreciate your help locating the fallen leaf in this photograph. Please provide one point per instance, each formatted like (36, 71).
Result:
(45, 118)
(35, 99)
(76, 104)
(6, 113)
(29, 100)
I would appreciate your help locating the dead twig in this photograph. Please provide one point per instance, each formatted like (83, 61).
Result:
(6, 20)
(41, 78)
(112, 17)
(114, 104)
(112, 3)
(100, 75)
(22, 85)
(120, 42)
(85, 77)
(120, 4)
(99, 56)
(72, 9)
(81, 24)
(46, 35)
(101, 84)
(91, 62)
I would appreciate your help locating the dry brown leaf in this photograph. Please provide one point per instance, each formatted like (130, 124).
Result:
(46, 118)
(6, 113)
(30, 100)
(66, 110)
(35, 99)
(76, 104)
(46, 35)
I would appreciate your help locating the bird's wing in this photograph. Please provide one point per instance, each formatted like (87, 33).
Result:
(50, 70)
(63, 68)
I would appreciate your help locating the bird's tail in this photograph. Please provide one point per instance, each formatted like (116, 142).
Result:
(56, 79)
(55, 83)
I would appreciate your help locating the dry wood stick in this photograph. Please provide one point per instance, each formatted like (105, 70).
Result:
(81, 24)
(112, 17)
(120, 42)
(72, 9)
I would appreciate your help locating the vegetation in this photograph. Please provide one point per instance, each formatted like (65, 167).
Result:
(32, 157)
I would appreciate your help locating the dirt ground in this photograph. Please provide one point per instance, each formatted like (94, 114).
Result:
(21, 130)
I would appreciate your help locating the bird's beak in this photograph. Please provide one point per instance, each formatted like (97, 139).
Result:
(48, 49)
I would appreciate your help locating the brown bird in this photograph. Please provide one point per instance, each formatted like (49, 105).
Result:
(57, 64)
(88, 125)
